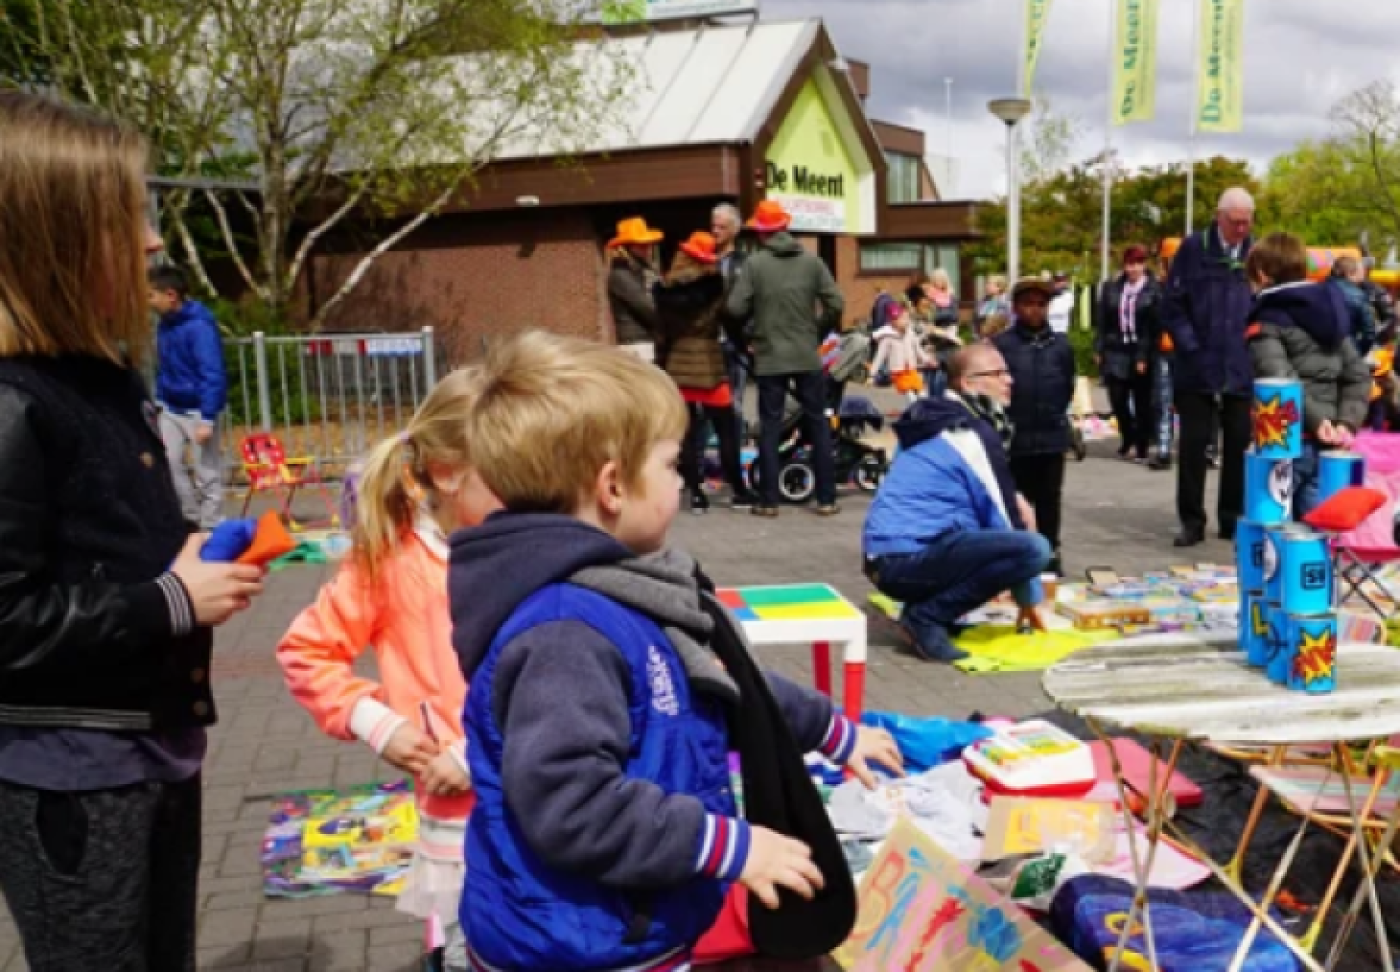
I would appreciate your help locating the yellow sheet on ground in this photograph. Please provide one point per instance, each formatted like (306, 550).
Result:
(994, 648)
(998, 648)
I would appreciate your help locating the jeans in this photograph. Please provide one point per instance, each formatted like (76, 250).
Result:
(810, 390)
(1041, 480)
(693, 453)
(197, 469)
(957, 573)
(935, 382)
(1162, 393)
(1131, 399)
(1305, 483)
(1202, 415)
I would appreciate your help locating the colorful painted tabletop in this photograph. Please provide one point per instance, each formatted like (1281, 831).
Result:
(789, 602)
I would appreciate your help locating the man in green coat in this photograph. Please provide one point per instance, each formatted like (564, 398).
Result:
(780, 289)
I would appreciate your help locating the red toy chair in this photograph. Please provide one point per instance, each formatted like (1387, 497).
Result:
(270, 470)
(1362, 548)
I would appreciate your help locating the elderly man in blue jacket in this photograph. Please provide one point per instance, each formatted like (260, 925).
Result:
(948, 531)
(192, 389)
(1206, 312)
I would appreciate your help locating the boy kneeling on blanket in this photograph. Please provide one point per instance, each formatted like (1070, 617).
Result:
(948, 531)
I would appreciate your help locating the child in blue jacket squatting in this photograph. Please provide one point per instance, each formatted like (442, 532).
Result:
(599, 721)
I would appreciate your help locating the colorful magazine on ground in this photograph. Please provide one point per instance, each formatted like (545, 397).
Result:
(331, 842)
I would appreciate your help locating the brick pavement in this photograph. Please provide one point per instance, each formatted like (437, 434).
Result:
(1116, 514)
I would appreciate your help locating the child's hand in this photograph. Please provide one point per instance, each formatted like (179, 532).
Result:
(444, 776)
(875, 745)
(410, 750)
(777, 862)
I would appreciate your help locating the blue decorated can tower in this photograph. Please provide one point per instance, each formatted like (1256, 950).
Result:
(1278, 418)
(1254, 627)
(1305, 572)
(1308, 661)
(1268, 489)
(1337, 471)
(1275, 538)
(1278, 643)
(1250, 540)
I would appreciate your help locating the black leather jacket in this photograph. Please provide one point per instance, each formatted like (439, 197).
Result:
(94, 631)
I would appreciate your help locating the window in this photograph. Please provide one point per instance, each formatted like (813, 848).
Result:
(905, 171)
(891, 257)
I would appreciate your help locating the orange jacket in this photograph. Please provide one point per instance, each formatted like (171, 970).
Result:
(1384, 358)
(404, 616)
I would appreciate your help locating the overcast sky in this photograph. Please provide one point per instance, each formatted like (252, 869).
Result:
(1301, 57)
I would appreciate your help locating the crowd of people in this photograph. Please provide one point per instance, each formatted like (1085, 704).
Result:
(619, 761)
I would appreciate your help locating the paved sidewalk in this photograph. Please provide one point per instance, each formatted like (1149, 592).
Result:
(1116, 514)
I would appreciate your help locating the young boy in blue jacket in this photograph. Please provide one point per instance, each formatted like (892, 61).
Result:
(192, 389)
(605, 831)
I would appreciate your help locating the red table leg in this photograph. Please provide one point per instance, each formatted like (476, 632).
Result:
(821, 667)
(855, 690)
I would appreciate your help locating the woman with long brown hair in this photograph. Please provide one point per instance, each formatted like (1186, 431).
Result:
(105, 605)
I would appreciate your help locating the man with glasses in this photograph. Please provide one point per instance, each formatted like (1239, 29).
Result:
(947, 531)
(1206, 312)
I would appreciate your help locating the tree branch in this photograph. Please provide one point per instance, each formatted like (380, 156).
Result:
(221, 215)
(329, 223)
(385, 245)
(182, 230)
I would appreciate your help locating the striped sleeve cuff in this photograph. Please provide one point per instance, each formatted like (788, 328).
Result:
(724, 848)
(177, 603)
(374, 723)
(839, 741)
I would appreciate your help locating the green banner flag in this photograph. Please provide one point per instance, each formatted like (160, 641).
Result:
(1135, 70)
(1220, 67)
(1036, 13)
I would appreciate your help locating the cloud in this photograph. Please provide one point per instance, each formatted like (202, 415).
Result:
(1301, 57)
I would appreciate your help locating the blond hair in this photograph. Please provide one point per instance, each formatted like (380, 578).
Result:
(553, 411)
(397, 480)
(72, 232)
(940, 279)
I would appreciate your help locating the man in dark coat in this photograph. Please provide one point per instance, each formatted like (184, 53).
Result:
(1206, 312)
(1041, 363)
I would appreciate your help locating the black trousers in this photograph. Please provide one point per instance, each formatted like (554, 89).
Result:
(1131, 400)
(107, 879)
(1202, 414)
(693, 455)
(810, 390)
(1041, 480)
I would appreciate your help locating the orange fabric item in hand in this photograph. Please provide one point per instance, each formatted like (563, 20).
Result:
(269, 542)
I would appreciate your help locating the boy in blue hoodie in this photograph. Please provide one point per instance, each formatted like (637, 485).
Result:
(598, 722)
(192, 389)
(1302, 330)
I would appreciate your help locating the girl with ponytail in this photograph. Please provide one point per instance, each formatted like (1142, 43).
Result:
(391, 594)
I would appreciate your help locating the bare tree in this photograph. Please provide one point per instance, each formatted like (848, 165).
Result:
(1368, 126)
(1049, 140)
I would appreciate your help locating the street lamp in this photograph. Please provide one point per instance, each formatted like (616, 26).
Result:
(1011, 111)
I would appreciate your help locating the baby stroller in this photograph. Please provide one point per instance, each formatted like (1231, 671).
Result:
(854, 461)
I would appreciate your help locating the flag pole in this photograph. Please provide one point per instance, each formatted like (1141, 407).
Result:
(1195, 115)
(1113, 54)
(1013, 153)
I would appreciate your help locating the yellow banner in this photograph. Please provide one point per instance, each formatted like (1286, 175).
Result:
(1135, 73)
(1036, 13)
(1220, 67)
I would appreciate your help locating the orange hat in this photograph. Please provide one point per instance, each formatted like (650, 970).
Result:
(635, 230)
(700, 246)
(769, 217)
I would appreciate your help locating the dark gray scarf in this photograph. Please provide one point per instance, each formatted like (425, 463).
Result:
(663, 587)
(992, 412)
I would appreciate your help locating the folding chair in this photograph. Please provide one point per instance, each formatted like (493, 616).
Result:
(1360, 553)
(270, 470)
(1355, 800)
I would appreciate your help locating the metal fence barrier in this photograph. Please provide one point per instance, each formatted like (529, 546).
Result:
(328, 397)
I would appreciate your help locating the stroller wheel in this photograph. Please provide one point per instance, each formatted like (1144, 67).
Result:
(797, 482)
(869, 473)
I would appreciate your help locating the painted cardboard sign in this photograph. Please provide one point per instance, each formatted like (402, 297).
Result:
(922, 911)
(1029, 826)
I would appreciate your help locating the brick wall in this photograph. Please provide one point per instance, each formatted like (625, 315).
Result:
(860, 289)
(479, 277)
